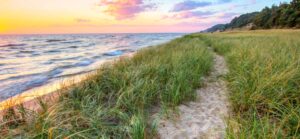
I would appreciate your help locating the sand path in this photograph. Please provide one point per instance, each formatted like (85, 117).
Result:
(203, 118)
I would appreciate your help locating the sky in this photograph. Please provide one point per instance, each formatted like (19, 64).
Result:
(120, 16)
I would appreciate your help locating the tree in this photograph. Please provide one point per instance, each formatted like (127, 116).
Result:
(261, 20)
(284, 15)
(295, 4)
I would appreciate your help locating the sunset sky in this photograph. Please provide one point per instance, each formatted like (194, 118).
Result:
(120, 16)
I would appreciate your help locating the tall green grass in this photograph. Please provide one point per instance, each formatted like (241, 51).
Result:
(264, 80)
(115, 103)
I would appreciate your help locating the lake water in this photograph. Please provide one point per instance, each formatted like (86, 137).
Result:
(31, 61)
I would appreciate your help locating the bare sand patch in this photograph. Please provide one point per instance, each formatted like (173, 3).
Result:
(204, 117)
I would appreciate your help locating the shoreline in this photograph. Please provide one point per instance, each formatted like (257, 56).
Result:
(50, 92)
(43, 90)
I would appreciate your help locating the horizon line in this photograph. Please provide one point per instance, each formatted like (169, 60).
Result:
(98, 33)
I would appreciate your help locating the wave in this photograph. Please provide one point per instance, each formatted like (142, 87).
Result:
(13, 44)
(73, 74)
(53, 51)
(55, 40)
(85, 62)
(71, 42)
(26, 51)
(114, 53)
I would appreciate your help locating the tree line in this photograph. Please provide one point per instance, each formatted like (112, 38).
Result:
(285, 15)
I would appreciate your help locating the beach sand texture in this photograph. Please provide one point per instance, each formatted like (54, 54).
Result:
(204, 117)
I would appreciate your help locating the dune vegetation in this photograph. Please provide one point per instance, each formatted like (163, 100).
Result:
(118, 100)
(264, 81)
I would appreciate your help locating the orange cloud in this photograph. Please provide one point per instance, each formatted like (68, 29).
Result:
(124, 9)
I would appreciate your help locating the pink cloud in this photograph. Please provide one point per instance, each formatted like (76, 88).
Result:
(191, 14)
(124, 9)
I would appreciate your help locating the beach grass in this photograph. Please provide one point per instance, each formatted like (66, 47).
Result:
(117, 101)
(264, 81)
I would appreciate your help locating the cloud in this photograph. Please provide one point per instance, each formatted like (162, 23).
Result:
(224, 1)
(82, 20)
(189, 5)
(124, 9)
(192, 14)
